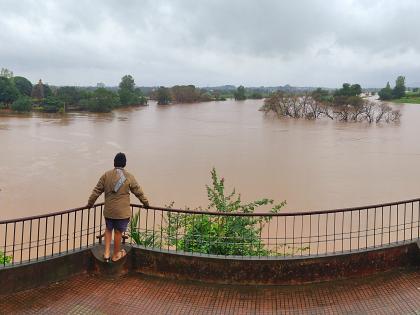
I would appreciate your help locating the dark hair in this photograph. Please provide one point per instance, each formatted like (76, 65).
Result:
(120, 160)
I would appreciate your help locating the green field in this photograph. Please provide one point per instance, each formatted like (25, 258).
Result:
(411, 100)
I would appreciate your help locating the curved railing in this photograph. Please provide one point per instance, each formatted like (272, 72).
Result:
(281, 235)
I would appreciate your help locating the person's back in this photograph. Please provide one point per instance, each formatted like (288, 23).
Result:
(117, 203)
(116, 184)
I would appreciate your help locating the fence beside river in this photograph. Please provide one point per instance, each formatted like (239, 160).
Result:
(279, 235)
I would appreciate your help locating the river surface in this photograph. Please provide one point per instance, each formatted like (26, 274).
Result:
(52, 162)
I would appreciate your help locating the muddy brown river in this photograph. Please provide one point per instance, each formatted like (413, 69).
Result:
(52, 162)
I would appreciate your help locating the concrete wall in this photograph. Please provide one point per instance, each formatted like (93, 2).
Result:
(273, 271)
(35, 274)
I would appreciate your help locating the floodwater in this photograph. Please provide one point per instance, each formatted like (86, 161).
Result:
(52, 162)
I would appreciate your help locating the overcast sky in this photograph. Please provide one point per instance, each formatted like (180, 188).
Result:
(213, 42)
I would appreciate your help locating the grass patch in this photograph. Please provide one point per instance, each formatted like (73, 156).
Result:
(410, 100)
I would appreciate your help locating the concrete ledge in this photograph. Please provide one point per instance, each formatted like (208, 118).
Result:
(39, 273)
(273, 271)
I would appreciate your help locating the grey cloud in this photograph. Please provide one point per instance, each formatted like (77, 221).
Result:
(267, 42)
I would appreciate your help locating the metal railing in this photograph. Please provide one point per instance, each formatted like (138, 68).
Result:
(282, 235)
(40, 237)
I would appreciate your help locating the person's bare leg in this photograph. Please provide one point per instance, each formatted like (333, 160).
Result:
(117, 244)
(108, 237)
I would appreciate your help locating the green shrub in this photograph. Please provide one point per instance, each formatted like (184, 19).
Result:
(212, 234)
(4, 259)
(22, 104)
(147, 238)
(52, 104)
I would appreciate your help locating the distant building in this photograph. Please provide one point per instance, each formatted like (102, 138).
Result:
(100, 85)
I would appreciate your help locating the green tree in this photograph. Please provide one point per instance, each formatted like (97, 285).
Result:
(6, 73)
(8, 92)
(163, 95)
(102, 100)
(141, 98)
(356, 89)
(349, 90)
(399, 89)
(70, 95)
(22, 104)
(385, 93)
(240, 94)
(23, 85)
(127, 83)
(129, 94)
(47, 90)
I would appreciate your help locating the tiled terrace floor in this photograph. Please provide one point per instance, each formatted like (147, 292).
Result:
(392, 293)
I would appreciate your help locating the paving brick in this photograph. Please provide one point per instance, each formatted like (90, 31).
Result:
(391, 293)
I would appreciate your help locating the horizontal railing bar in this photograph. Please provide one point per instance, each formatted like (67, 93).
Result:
(42, 216)
(261, 214)
(279, 214)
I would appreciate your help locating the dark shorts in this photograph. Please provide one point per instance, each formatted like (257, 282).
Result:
(117, 224)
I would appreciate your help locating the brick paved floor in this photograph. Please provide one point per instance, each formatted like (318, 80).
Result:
(392, 293)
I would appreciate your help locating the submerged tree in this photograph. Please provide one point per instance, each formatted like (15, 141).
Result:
(240, 93)
(185, 94)
(101, 100)
(306, 106)
(163, 95)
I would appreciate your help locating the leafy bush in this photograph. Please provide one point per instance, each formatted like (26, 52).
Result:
(52, 104)
(4, 259)
(213, 234)
(147, 238)
(22, 104)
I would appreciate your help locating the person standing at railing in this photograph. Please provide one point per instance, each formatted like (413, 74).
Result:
(117, 184)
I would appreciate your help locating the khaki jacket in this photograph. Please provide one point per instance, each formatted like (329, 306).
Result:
(117, 204)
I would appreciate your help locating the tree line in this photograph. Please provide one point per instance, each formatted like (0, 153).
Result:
(191, 94)
(19, 94)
